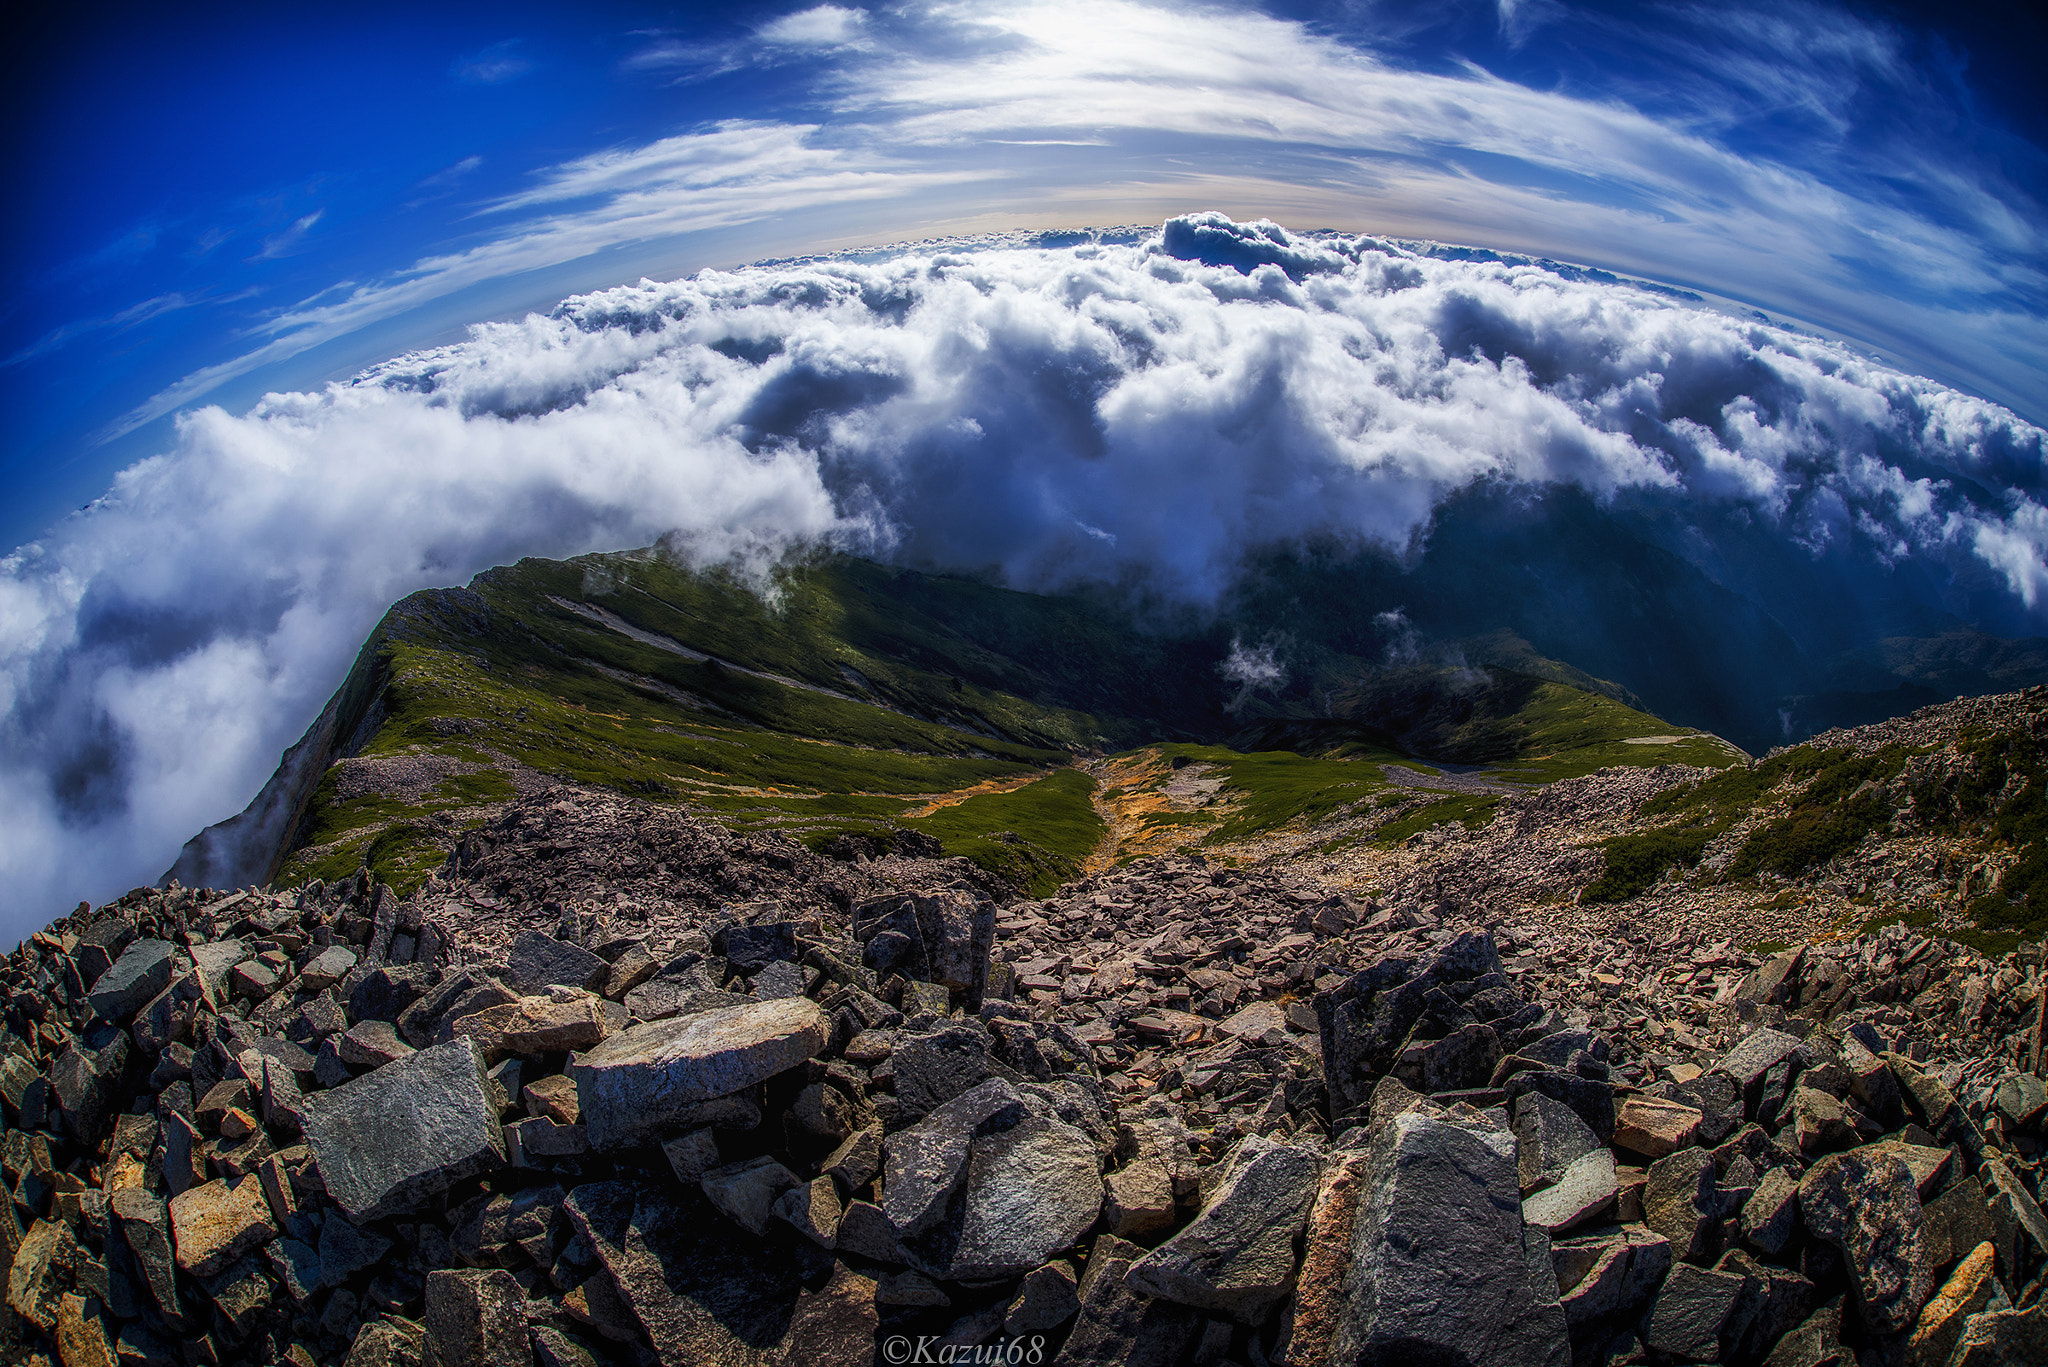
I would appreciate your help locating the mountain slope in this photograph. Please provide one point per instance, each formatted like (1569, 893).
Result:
(840, 700)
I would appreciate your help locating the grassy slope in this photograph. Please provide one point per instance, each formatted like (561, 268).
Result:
(1556, 731)
(852, 700)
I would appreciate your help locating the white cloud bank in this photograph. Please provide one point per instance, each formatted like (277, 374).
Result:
(1133, 109)
(1151, 406)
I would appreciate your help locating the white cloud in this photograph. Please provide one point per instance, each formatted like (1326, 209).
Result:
(129, 317)
(822, 26)
(1134, 109)
(496, 64)
(1154, 408)
(287, 242)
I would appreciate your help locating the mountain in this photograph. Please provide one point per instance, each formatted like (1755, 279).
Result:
(842, 700)
(1664, 1064)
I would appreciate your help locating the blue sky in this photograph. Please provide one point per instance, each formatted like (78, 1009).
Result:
(220, 202)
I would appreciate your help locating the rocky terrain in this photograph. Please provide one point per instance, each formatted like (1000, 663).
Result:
(618, 1085)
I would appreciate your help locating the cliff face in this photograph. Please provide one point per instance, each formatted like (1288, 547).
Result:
(248, 848)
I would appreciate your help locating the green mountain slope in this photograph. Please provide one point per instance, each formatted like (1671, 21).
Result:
(839, 700)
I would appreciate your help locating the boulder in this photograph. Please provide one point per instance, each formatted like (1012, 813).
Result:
(1869, 1207)
(392, 1139)
(698, 1293)
(1820, 1123)
(1654, 1128)
(813, 1210)
(942, 938)
(143, 970)
(1997, 1338)
(750, 949)
(476, 1318)
(1750, 1061)
(1550, 1138)
(835, 1325)
(1680, 1201)
(145, 1224)
(1237, 1257)
(1031, 1189)
(557, 1023)
(1956, 1221)
(1047, 1299)
(1437, 1262)
(1940, 1326)
(1691, 1308)
(748, 1191)
(86, 1083)
(2020, 1230)
(638, 1082)
(1770, 1217)
(933, 1069)
(1604, 1277)
(538, 961)
(213, 1225)
(326, 968)
(1118, 1326)
(924, 1166)
(1585, 1191)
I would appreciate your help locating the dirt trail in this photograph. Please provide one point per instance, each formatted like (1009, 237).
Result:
(953, 799)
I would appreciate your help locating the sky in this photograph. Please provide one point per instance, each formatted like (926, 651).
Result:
(309, 310)
(221, 201)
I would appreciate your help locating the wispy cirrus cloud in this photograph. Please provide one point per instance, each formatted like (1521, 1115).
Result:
(290, 239)
(134, 314)
(495, 65)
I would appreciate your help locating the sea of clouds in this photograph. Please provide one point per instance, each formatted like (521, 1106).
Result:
(1140, 407)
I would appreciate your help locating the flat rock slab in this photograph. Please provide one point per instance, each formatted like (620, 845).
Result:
(1438, 1269)
(639, 1081)
(701, 1295)
(392, 1139)
(533, 1026)
(1237, 1258)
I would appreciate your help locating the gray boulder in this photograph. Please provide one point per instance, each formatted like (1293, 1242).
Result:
(538, 961)
(1438, 1269)
(1681, 1202)
(1585, 1190)
(1117, 1325)
(143, 970)
(476, 1318)
(1691, 1308)
(392, 1139)
(1550, 1138)
(1868, 1206)
(642, 1081)
(1031, 1187)
(1237, 1257)
(933, 1069)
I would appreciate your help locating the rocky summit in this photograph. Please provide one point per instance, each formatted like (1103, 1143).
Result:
(617, 1085)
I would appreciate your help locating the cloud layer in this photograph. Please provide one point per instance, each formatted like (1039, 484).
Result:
(1745, 160)
(1144, 407)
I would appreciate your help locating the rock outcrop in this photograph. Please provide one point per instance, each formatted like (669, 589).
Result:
(1180, 1114)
